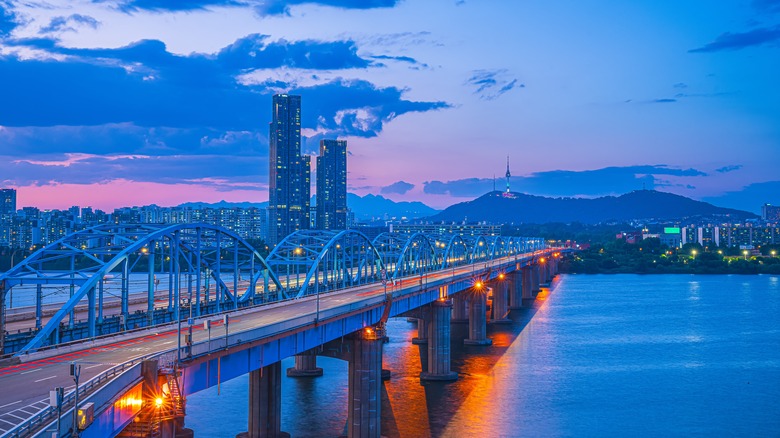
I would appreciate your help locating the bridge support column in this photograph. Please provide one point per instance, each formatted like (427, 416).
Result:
(265, 403)
(459, 314)
(500, 298)
(478, 319)
(422, 327)
(364, 412)
(535, 279)
(439, 343)
(516, 290)
(305, 366)
(527, 287)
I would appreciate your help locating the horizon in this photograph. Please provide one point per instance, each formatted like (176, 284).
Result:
(161, 104)
(232, 203)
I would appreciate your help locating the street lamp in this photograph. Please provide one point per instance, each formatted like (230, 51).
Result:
(693, 253)
(745, 253)
(773, 252)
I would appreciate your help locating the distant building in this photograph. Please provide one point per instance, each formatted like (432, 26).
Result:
(7, 211)
(445, 228)
(289, 172)
(770, 213)
(332, 185)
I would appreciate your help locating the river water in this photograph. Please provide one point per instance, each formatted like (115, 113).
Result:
(599, 355)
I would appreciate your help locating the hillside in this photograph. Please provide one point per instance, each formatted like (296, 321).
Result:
(644, 205)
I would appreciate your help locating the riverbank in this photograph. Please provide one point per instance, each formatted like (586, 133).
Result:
(652, 258)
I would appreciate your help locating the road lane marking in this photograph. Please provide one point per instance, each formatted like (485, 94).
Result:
(9, 404)
(6, 421)
(31, 371)
(95, 366)
(16, 416)
(45, 378)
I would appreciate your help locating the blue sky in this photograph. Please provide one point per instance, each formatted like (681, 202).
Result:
(117, 102)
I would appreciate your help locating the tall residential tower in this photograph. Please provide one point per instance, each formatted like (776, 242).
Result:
(332, 185)
(289, 175)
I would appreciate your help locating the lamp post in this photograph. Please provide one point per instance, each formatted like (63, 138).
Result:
(693, 253)
(773, 252)
(745, 253)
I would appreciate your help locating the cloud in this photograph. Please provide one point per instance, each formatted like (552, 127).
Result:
(664, 100)
(7, 19)
(736, 41)
(173, 5)
(65, 24)
(398, 187)
(406, 59)
(749, 198)
(222, 172)
(771, 6)
(727, 169)
(680, 86)
(490, 84)
(145, 85)
(263, 7)
(279, 7)
(598, 182)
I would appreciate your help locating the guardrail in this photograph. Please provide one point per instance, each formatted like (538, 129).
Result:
(46, 415)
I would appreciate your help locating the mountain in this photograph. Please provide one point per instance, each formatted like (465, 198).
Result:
(378, 207)
(637, 205)
(365, 208)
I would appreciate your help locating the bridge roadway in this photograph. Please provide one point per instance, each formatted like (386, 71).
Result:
(25, 387)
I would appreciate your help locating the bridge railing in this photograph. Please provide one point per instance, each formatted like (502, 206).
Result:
(48, 414)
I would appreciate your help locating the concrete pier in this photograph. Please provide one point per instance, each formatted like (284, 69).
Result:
(364, 412)
(459, 313)
(439, 343)
(265, 403)
(535, 275)
(422, 327)
(305, 366)
(500, 300)
(515, 289)
(478, 319)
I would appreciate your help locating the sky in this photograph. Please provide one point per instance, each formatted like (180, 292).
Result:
(112, 103)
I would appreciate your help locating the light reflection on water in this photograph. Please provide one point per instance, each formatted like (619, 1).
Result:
(602, 356)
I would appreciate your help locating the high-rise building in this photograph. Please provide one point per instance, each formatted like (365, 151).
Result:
(7, 212)
(770, 212)
(289, 175)
(332, 185)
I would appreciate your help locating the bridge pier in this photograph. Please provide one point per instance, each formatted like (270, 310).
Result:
(516, 290)
(500, 298)
(364, 412)
(478, 319)
(305, 365)
(459, 314)
(265, 403)
(535, 274)
(422, 327)
(439, 343)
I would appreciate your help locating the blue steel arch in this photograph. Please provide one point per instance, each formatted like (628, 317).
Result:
(416, 256)
(117, 243)
(451, 256)
(330, 260)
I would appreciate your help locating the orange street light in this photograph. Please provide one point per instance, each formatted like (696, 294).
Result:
(478, 285)
(158, 402)
(501, 276)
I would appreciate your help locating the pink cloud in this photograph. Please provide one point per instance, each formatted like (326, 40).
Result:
(123, 193)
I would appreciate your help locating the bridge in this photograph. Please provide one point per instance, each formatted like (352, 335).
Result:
(150, 314)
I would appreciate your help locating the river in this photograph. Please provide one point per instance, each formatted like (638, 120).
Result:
(598, 355)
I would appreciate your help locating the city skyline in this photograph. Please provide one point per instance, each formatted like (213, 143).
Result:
(169, 106)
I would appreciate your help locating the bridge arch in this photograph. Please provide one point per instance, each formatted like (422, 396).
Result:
(318, 261)
(88, 262)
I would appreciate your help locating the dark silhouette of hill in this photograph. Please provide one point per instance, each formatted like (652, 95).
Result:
(637, 205)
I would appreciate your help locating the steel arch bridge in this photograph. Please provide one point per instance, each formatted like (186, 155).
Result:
(154, 274)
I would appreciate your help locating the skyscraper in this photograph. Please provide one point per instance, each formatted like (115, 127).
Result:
(289, 175)
(332, 185)
(7, 211)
